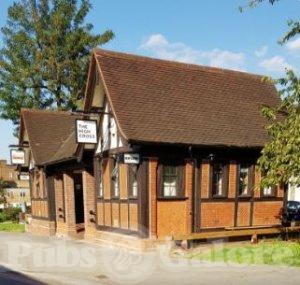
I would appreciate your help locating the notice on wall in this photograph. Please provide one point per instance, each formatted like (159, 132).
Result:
(17, 156)
(24, 176)
(132, 158)
(86, 131)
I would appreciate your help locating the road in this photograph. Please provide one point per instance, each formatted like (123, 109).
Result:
(27, 259)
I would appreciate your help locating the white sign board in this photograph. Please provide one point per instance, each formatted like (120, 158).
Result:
(86, 131)
(17, 156)
(24, 176)
(132, 158)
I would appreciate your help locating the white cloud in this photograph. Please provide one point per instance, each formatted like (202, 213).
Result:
(275, 64)
(160, 47)
(262, 51)
(224, 59)
(294, 45)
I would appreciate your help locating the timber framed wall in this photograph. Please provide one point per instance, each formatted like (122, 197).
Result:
(123, 214)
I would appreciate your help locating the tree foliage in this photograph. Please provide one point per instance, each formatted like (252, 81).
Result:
(280, 159)
(45, 54)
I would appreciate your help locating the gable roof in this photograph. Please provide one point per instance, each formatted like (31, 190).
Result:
(48, 131)
(169, 102)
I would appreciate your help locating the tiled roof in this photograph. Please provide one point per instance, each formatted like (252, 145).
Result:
(168, 102)
(48, 131)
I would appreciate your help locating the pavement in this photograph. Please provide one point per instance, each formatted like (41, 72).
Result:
(28, 259)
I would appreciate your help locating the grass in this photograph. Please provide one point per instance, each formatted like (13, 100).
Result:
(269, 253)
(12, 227)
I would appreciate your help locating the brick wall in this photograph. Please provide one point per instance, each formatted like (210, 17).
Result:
(267, 213)
(89, 198)
(69, 204)
(217, 214)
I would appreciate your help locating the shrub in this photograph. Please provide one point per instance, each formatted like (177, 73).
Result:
(10, 214)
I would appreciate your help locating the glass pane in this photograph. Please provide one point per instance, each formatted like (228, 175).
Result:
(268, 191)
(218, 179)
(244, 180)
(170, 181)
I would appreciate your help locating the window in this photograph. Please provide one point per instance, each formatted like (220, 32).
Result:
(244, 180)
(171, 181)
(219, 180)
(115, 180)
(132, 177)
(269, 191)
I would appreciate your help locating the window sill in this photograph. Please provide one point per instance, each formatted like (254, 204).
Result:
(268, 196)
(245, 196)
(172, 198)
(219, 197)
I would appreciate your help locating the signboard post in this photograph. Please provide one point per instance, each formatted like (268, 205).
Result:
(86, 131)
(17, 156)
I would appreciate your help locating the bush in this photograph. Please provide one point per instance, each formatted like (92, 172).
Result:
(10, 214)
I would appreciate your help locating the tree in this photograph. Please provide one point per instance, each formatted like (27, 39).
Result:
(3, 186)
(280, 157)
(45, 54)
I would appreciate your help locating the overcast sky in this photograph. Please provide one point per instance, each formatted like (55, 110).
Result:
(208, 32)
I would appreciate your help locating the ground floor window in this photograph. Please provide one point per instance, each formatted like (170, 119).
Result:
(132, 179)
(171, 181)
(245, 179)
(269, 191)
(219, 179)
(115, 179)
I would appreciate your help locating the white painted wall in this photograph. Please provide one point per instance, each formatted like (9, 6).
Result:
(293, 193)
(108, 138)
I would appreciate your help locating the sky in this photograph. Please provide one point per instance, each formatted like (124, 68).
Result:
(207, 32)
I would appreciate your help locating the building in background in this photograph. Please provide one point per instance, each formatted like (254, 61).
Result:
(18, 194)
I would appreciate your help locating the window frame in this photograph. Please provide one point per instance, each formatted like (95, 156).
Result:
(251, 177)
(225, 180)
(114, 165)
(180, 180)
(100, 184)
(273, 193)
(130, 180)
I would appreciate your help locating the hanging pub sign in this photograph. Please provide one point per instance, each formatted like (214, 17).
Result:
(23, 176)
(86, 131)
(131, 158)
(17, 156)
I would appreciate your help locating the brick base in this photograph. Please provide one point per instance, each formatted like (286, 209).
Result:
(40, 227)
(125, 241)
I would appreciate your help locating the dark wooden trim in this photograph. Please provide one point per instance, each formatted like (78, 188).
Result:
(266, 199)
(143, 198)
(171, 198)
(217, 199)
(236, 205)
(119, 201)
(196, 196)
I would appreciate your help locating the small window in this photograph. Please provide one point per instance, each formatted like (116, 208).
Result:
(170, 181)
(244, 181)
(115, 180)
(219, 180)
(269, 191)
(133, 184)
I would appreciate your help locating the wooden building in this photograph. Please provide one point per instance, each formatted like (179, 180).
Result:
(176, 155)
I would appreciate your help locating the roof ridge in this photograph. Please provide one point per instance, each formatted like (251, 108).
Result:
(125, 55)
